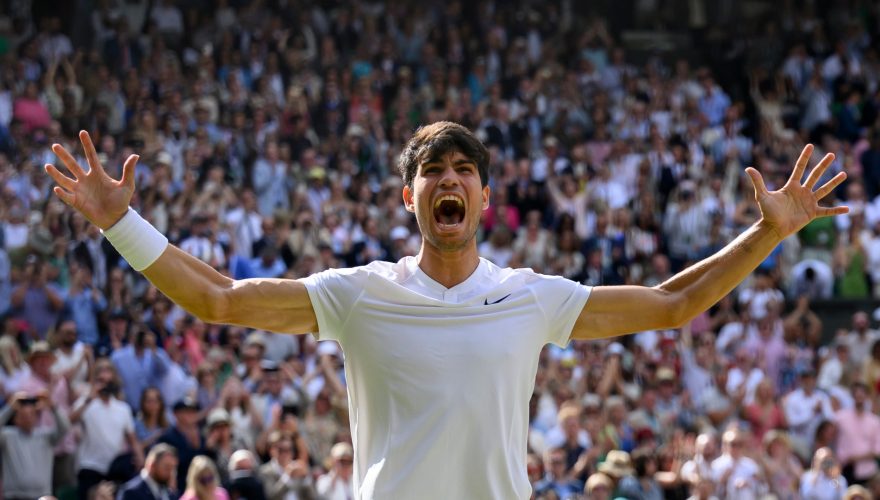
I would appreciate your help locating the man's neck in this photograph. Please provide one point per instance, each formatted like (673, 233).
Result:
(448, 268)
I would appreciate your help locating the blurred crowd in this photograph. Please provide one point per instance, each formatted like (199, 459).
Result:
(268, 133)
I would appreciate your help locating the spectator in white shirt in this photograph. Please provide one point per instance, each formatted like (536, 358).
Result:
(107, 430)
(805, 408)
(336, 484)
(834, 367)
(737, 476)
(861, 338)
(824, 480)
(699, 467)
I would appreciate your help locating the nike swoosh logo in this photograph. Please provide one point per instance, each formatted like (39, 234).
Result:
(487, 303)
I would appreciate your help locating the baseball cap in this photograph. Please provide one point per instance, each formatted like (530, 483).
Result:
(187, 403)
(38, 349)
(341, 450)
(256, 338)
(218, 416)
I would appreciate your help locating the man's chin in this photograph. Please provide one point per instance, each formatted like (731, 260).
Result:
(450, 241)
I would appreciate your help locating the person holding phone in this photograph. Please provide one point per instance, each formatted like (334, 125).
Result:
(109, 449)
(824, 481)
(27, 448)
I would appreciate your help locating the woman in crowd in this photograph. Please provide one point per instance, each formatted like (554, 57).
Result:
(781, 465)
(152, 419)
(765, 412)
(203, 482)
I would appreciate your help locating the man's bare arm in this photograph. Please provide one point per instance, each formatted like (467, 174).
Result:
(278, 305)
(269, 304)
(619, 310)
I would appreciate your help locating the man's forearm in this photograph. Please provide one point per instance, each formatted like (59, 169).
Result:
(708, 281)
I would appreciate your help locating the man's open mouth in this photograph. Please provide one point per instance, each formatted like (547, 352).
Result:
(449, 210)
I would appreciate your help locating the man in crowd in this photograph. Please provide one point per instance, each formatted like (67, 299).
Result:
(107, 433)
(27, 448)
(156, 480)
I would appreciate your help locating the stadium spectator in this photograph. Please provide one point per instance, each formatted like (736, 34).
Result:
(27, 446)
(285, 473)
(858, 445)
(203, 482)
(735, 474)
(156, 480)
(186, 437)
(140, 364)
(824, 479)
(337, 483)
(243, 481)
(109, 449)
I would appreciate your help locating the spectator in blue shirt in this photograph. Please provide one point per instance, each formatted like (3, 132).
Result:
(714, 103)
(84, 303)
(140, 365)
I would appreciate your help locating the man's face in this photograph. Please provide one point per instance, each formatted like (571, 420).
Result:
(187, 416)
(67, 333)
(859, 395)
(163, 469)
(26, 417)
(273, 383)
(283, 452)
(447, 198)
(42, 365)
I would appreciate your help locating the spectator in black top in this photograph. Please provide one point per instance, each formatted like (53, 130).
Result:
(186, 436)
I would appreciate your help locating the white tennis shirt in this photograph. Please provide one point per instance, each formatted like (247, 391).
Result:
(439, 379)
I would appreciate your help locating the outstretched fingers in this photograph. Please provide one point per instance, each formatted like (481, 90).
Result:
(801, 165)
(829, 186)
(91, 153)
(69, 161)
(62, 180)
(819, 170)
(758, 182)
(829, 211)
(66, 197)
(128, 171)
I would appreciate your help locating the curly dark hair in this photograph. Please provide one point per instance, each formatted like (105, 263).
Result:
(431, 142)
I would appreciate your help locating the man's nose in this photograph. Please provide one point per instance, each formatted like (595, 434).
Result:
(449, 177)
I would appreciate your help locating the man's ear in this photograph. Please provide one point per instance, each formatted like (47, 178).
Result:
(408, 199)
(486, 198)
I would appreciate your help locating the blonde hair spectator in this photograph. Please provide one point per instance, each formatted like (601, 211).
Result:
(203, 481)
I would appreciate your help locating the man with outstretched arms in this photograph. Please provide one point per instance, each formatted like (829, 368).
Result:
(441, 348)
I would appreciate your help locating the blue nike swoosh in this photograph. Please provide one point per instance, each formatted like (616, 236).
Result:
(486, 301)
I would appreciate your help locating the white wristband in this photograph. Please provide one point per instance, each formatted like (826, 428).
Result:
(139, 243)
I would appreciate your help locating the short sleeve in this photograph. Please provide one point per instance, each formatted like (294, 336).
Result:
(562, 301)
(334, 293)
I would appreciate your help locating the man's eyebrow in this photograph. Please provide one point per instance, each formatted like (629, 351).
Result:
(462, 161)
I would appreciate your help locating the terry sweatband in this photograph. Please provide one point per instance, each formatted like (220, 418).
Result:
(136, 240)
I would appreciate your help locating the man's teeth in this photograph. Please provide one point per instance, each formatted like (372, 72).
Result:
(448, 197)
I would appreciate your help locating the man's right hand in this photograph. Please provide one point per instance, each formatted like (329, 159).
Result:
(97, 196)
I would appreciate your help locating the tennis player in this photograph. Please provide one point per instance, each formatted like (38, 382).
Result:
(442, 348)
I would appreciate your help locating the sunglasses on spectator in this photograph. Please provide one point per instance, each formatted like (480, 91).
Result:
(206, 479)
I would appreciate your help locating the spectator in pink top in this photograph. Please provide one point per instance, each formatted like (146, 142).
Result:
(858, 438)
(203, 482)
(32, 112)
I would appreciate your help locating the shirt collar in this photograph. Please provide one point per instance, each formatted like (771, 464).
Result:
(153, 485)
